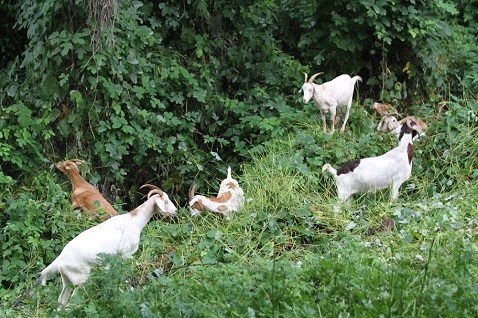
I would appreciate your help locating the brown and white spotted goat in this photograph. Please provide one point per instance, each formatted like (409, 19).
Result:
(229, 198)
(384, 109)
(370, 174)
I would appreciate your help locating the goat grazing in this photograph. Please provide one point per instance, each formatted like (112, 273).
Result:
(391, 124)
(229, 198)
(330, 95)
(117, 236)
(83, 194)
(371, 174)
(384, 109)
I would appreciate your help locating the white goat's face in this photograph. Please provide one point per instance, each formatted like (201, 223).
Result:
(387, 124)
(165, 206)
(391, 123)
(308, 89)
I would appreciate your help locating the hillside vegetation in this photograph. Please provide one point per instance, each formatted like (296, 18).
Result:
(288, 254)
(172, 93)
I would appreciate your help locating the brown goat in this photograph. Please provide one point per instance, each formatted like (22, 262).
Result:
(384, 109)
(83, 194)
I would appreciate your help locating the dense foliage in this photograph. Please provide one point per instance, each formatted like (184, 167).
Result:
(403, 48)
(173, 92)
(178, 88)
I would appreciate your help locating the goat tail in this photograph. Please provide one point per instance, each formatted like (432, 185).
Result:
(330, 169)
(356, 78)
(229, 172)
(51, 269)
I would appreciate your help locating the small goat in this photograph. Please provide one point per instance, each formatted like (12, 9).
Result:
(83, 194)
(371, 174)
(391, 124)
(229, 198)
(117, 236)
(330, 95)
(384, 109)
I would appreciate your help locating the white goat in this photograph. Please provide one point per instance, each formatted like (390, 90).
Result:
(119, 235)
(371, 174)
(391, 124)
(330, 95)
(229, 198)
(83, 194)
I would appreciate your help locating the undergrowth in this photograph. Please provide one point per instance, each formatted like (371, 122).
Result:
(288, 253)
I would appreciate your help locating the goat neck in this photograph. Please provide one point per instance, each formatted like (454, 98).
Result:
(407, 134)
(76, 179)
(143, 213)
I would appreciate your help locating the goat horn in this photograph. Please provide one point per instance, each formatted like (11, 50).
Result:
(394, 113)
(305, 77)
(311, 79)
(406, 120)
(191, 192)
(77, 161)
(398, 123)
(155, 189)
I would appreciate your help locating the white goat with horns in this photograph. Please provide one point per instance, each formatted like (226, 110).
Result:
(330, 95)
(370, 174)
(116, 236)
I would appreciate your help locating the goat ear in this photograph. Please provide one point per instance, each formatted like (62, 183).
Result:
(414, 132)
(160, 204)
(77, 162)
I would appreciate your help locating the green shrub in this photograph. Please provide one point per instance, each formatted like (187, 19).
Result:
(449, 154)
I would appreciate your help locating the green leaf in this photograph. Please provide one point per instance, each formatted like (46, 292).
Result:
(12, 90)
(66, 48)
(132, 58)
(76, 97)
(78, 38)
(128, 129)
